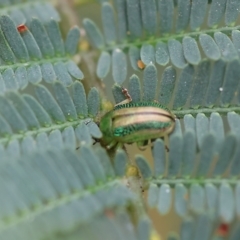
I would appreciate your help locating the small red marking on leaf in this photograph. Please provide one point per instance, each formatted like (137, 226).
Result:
(22, 28)
(223, 230)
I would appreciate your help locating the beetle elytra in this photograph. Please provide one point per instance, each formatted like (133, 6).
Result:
(138, 122)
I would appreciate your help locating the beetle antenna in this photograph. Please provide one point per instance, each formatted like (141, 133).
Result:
(126, 94)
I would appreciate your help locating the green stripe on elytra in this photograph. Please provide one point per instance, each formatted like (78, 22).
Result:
(140, 104)
(127, 130)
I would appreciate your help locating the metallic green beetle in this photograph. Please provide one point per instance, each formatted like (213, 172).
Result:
(138, 122)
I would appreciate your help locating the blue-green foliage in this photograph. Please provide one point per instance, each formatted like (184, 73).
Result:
(51, 190)
(194, 175)
(61, 191)
(49, 119)
(204, 227)
(139, 19)
(205, 88)
(22, 11)
(36, 53)
(31, 53)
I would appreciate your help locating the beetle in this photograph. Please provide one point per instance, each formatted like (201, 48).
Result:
(139, 122)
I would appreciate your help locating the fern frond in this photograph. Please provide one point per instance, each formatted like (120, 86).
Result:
(204, 226)
(23, 11)
(50, 190)
(61, 192)
(193, 91)
(120, 163)
(138, 20)
(201, 225)
(202, 166)
(26, 121)
(204, 154)
(36, 53)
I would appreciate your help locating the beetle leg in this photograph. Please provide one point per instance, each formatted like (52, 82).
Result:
(115, 144)
(119, 145)
(96, 141)
(111, 145)
(142, 148)
(152, 143)
(142, 145)
(166, 138)
(167, 149)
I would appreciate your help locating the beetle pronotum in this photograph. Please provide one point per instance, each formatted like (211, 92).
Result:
(139, 122)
